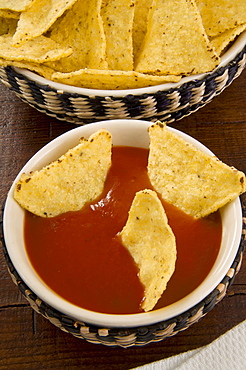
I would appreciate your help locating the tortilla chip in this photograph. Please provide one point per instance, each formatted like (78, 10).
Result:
(82, 29)
(105, 79)
(7, 26)
(117, 18)
(140, 24)
(38, 18)
(193, 181)
(40, 50)
(221, 42)
(15, 5)
(67, 184)
(175, 42)
(5, 13)
(222, 15)
(151, 242)
(34, 67)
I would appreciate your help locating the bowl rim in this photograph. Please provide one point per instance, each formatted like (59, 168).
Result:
(226, 58)
(20, 260)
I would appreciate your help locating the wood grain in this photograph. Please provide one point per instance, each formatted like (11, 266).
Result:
(28, 341)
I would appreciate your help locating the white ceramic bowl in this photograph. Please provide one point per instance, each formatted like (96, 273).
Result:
(131, 133)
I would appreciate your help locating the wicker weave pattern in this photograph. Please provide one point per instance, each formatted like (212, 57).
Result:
(169, 106)
(138, 336)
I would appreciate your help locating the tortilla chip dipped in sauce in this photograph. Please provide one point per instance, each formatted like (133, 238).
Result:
(195, 182)
(67, 184)
(152, 244)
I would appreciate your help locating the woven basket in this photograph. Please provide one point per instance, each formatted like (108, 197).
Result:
(137, 336)
(166, 105)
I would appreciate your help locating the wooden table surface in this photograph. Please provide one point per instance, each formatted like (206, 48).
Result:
(27, 340)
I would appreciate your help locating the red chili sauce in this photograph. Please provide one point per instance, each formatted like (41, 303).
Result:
(80, 257)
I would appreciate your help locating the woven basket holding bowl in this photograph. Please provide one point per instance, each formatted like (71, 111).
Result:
(167, 102)
(120, 330)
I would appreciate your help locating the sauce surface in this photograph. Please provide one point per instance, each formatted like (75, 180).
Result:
(80, 257)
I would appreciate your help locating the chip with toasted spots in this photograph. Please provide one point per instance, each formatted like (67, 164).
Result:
(66, 184)
(41, 50)
(152, 244)
(7, 26)
(111, 79)
(82, 29)
(222, 15)
(221, 42)
(38, 18)
(14, 5)
(34, 67)
(139, 24)
(9, 14)
(195, 182)
(117, 18)
(175, 42)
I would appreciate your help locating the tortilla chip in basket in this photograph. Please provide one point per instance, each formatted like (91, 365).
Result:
(81, 27)
(41, 50)
(221, 41)
(117, 18)
(38, 18)
(33, 67)
(151, 242)
(7, 26)
(15, 5)
(140, 24)
(108, 79)
(222, 15)
(5, 13)
(175, 42)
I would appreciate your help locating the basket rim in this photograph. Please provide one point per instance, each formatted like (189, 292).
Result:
(228, 57)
